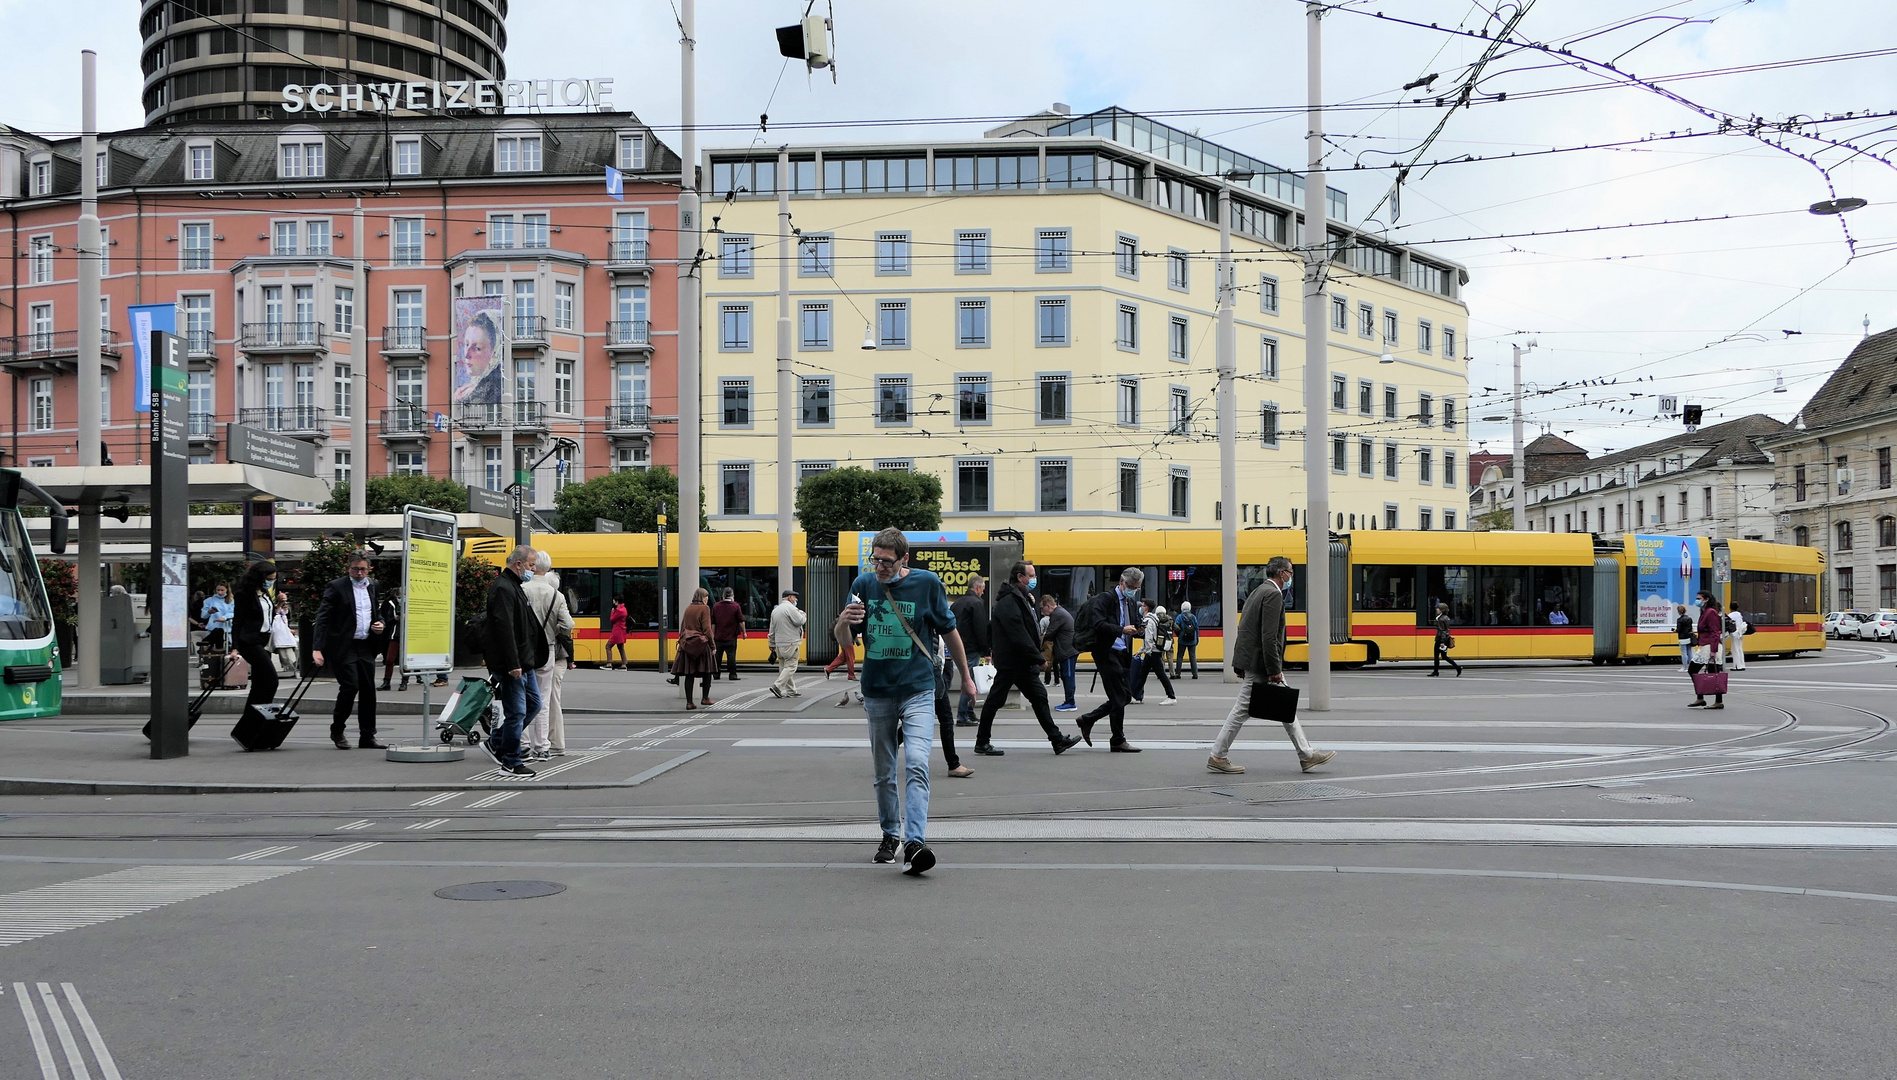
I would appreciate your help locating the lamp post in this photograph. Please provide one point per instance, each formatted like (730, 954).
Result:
(786, 377)
(1317, 479)
(1227, 345)
(90, 374)
(689, 398)
(1520, 463)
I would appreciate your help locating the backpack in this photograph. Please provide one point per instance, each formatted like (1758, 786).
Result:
(1164, 634)
(1726, 625)
(1084, 639)
(1187, 625)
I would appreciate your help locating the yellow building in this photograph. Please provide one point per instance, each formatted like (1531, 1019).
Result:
(1043, 309)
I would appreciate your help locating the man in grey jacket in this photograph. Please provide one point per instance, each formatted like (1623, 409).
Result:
(1258, 657)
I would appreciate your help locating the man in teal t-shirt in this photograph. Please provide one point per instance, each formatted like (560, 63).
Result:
(900, 609)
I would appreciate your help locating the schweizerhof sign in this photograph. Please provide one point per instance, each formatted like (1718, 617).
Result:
(448, 96)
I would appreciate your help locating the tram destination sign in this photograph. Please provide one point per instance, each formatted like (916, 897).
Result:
(455, 96)
(249, 446)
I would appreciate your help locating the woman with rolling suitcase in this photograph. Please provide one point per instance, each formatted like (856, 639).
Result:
(253, 611)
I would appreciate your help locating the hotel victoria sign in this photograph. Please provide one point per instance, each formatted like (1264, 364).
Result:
(448, 96)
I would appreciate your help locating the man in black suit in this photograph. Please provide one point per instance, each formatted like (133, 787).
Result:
(1017, 653)
(349, 641)
(1114, 617)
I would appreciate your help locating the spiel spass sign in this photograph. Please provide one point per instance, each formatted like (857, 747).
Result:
(448, 96)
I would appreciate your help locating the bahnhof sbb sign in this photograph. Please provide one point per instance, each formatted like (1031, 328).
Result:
(448, 96)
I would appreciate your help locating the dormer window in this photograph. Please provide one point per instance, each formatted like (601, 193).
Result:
(516, 153)
(40, 176)
(406, 157)
(300, 157)
(632, 151)
(200, 161)
(101, 169)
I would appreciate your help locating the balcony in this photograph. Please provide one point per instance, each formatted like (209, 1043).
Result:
(405, 341)
(530, 418)
(629, 418)
(309, 420)
(54, 350)
(529, 329)
(407, 423)
(203, 427)
(629, 335)
(285, 337)
(628, 257)
(200, 344)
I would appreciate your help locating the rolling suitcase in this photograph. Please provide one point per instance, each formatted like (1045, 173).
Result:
(236, 674)
(264, 727)
(196, 708)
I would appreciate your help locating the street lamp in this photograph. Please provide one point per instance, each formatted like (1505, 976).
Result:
(869, 337)
(1521, 460)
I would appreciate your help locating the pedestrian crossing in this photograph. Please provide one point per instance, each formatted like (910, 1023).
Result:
(108, 1068)
(262, 853)
(573, 760)
(50, 909)
(342, 852)
(492, 800)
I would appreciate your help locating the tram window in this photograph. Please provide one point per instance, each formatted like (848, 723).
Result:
(1452, 585)
(582, 592)
(1200, 585)
(639, 588)
(716, 580)
(1070, 586)
(1569, 588)
(756, 588)
(1504, 593)
(1384, 588)
(1253, 575)
(1770, 598)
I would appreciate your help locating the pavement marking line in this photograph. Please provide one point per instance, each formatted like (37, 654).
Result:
(1226, 830)
(437, 823)
(108, 1068)
(262, 853)
(574, 759)
(1201, 745)
(49, 1069)
(1328, 722)
(492, 800)
(436, 800)
(49, 909)
(355, 826)
(341, 852)
(666, 767)
(74, 1059)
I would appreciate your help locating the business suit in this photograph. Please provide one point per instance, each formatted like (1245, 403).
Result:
(1258, 654)
(1017, 653)
(350, 658)
(250, 632)
(1110, 614)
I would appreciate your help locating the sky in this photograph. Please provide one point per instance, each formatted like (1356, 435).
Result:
(1700, 311)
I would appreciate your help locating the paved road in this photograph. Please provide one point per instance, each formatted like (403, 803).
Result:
(1534, 870)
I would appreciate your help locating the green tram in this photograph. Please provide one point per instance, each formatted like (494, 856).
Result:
(29, 654)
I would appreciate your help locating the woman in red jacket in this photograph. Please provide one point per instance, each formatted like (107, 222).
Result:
(616, 637)
(1706, 649)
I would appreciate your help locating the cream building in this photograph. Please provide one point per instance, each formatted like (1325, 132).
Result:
(1043, 308)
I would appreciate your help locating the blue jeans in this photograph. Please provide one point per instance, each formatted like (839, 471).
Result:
(914, 718)
(520, 701)
(1066, 668)
(1686, 655)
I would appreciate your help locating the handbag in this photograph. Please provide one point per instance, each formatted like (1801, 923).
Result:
(984, 678)
(1273, 701)
(1709, 682)
(693, 643)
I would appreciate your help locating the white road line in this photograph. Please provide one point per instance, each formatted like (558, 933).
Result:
(262, 853)
(49, 1069)
(1329, 722)
(492, 800)
(74, 1059)
(355, 825)
(341, 852)
(1201, 745)
(436, 800)
(49, 909)
(437, 823)
(108, 1068)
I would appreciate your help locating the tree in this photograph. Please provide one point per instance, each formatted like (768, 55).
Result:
(328, 559)
(860, 500)
(1500, 519)
(472, 579)
(62, 588)
(632, 498)
(389, 494)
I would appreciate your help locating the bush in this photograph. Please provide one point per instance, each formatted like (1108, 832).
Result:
(62, 588)
(632, 498)
(861, 500)
(328, 559)
(389, 494)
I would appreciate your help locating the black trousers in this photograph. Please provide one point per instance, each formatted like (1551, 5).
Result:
(1183, 650)
(1442, 654)
(263, 674)
(355, 678)
(1111, 666)
(1152, 665)
(726, 658)
(945, 719)
(1022, 679)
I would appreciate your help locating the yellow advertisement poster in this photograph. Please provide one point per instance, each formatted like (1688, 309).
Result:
(428, 573)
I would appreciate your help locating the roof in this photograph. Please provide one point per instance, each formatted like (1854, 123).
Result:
(1734, 438)
(1864, 384)
(1552, 444)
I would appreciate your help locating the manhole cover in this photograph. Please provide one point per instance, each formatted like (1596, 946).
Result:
(1643, 797)
(500, 890)
(1304, 791)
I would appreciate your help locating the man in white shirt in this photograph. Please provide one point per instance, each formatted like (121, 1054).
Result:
(787, 636)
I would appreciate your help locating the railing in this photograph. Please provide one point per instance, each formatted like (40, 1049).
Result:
(287, 418)
(203, 425)
(628, 253)
(407, 420)
(51, 344)
(284, 335)
(629, 416)
(530, 328)
(527, 415)
(405, 339)
(623, 332)
(200, 342)
(408, 255)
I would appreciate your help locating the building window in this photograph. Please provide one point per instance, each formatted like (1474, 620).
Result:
(734, 327)
(1424, 519)
(41, 179)
(300, 159)
(1365, 392)
(1340, 315)
(734, 483)
(1449, 520)
(1391, 458)
(517, 153)
(734, 257)
(40, 258)
(633, 458)
(1801, 536)
(971, 487)
(1887, 531)
(341, 461)
(196, 252)
(1425, 409)
(1127, 409)
(563, 305)
(1053, 251)
(1055, 487)
(808, 469)
(345, 310)
(1389, 330)
(632, 152)
(1051, 407)
(1340, 393)
(344, 388)
(1126, 333)
(1178, 340)
(1126, 256)
(1177, 270)
(1268, 357)
(1424, 462)
(1267, 294)
(1178, 410)
(1366, 321)
(895, 465)
(971, 252)
(411, 463)
(286, 234)
(1844, 536)
(563, 387)
(971, 324)
(814, 255)
(1366, 458)
(892, 253)
(1180, 489)
(408, 241)
(203, 163)
(892, 324)
(1449, 414)
(971, 399)
(815, 403)
(41, 393)
(1051, 322)
(1449, 469)
(1129, 487)
(1425, 336)
(735, 395)
(1847, 588)
(1883, 467)
(1843, 475)
(200, 336)
(1340, 455)
(1449, 343)
(813, 327)
(1268, 423)
(1390, 511)
(892, 400)
(1798, 483)
(408, 157)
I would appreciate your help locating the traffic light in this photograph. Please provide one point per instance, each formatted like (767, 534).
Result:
(1691, 416)
(808, 41)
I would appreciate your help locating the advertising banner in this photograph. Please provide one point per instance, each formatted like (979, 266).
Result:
(428, 582)
(1667, 574)
(145, 319)
(479, 349)
(915, 539)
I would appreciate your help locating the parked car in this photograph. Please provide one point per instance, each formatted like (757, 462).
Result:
(1879, 626)
(1840, 624)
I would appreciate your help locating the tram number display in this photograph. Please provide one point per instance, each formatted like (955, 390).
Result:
(954, 564)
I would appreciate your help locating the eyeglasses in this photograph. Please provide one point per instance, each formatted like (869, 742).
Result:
(887, 564)
(361, 568)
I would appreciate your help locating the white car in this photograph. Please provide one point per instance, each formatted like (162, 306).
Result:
(1839, 624)
(1879, 626)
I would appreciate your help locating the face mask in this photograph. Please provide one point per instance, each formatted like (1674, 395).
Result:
(526, 576)
(1032, 582)
(270, 584)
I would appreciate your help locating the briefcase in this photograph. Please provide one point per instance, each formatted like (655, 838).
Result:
(1275, 702)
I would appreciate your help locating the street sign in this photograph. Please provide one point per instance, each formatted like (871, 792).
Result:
(428, 585)
(170, 546)
(615, 183)
(606, 525)
(145, 319)
(1722, 565)
(249, 446)
(492, 503)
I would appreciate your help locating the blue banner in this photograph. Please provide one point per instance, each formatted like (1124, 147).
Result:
(146, 318)
(1667, 576)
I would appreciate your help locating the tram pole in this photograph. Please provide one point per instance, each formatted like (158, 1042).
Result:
(1317, 481)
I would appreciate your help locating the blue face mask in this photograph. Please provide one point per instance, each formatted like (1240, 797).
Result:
(526, 576)
(1032, 582)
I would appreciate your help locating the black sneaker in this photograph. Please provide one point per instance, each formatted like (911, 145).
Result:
(487, 747)
(887, 852)
(916, 858)
(517, 770)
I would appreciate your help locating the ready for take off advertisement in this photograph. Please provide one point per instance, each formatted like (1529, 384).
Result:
(1667, 572)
